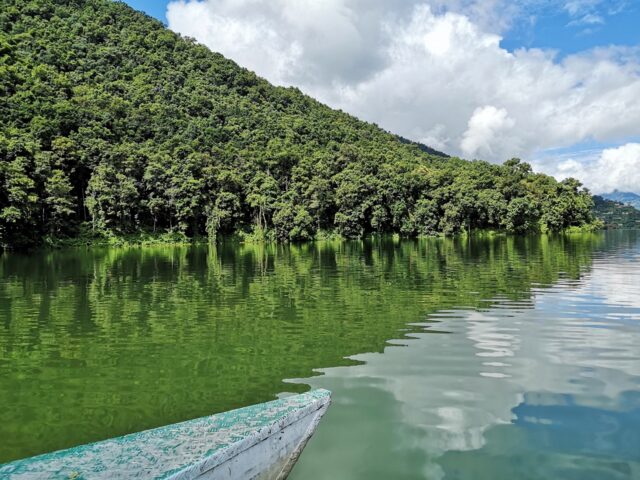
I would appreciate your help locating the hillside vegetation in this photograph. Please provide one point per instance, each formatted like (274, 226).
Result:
(616, 214)
(109, 122)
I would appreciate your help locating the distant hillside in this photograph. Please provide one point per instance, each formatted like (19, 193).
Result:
(111, 123)
(616, 214)
(628, 198)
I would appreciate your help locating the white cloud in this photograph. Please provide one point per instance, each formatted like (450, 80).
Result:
(603, 172)
(430, 70)
(485, 126)
(290, 42)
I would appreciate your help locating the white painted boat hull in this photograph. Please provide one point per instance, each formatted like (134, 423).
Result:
(258, 442)
(279, 451)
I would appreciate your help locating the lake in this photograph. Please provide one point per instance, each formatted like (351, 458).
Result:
(481, 358)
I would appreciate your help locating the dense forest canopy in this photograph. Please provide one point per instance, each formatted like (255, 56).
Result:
(109, 122)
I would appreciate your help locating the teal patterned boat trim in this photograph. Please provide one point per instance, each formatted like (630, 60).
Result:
(182, 451)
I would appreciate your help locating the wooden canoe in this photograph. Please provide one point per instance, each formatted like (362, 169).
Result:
(257, 442)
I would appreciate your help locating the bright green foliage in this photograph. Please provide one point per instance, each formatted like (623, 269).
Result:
(111, 198)
(108, 118)
(58, 199)
(19, 206)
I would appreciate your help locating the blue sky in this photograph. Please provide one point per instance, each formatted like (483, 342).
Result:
(155, 8)
(555, 82)
(556, 28)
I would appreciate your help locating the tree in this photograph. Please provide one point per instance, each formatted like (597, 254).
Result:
(263, 192)
(111, 199)
(522, 216)
(59, 200)
(18, 213)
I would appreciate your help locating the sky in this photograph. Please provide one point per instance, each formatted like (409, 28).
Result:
(554, 82)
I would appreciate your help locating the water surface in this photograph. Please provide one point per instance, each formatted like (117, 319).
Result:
(484, 358)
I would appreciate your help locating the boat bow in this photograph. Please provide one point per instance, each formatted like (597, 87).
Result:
(257, 442)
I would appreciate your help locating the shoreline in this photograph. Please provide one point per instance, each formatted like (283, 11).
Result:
(146, 239)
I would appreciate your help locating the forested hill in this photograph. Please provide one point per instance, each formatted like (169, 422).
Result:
(616, 214)
(626, 198)
(109, 122)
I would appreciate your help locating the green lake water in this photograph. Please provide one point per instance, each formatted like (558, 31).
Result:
(484, 358)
